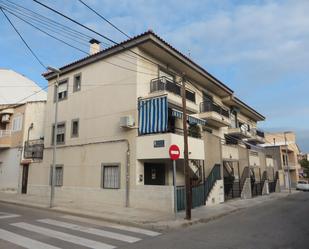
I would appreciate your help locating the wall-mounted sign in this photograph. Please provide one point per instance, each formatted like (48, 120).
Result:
(158, 143)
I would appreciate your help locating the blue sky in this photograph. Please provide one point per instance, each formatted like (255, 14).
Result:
(258, 48)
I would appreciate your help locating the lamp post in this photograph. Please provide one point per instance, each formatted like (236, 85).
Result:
(287, 161)
(52, 189)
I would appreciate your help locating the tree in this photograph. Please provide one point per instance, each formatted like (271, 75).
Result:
(305, 165)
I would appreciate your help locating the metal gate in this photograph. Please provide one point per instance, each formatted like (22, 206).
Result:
(232, 188)
(198, 197)
(256, 183)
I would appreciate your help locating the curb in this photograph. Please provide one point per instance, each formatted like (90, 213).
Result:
(142, 224)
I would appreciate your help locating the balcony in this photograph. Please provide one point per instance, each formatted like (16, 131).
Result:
(214, 114)
(34, 149)
(254, 159)
(5, 138)
(292, 166)
(164, 85)
(156, 146)
(257, 137)
(230, 152)
(238, 133)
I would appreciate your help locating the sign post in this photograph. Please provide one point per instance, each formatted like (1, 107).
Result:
(174, 155)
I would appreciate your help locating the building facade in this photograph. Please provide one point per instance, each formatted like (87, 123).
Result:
(120, 110)
(21, 129)
(283, 147)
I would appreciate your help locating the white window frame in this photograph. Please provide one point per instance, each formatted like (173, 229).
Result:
(17, 123)
(62, 82)
(112, 184)
(75, 89)
(59, 179)
(52, 133)
(72, 122)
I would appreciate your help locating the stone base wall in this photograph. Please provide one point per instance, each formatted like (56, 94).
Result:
(246, 192)
(265, 190)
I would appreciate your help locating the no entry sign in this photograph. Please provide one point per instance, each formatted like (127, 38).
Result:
(174, 152)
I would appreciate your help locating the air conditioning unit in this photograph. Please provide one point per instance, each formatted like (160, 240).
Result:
(5, 118)
(127, 122)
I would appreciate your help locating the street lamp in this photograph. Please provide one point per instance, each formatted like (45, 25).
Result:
(52, 189)
(287, 161)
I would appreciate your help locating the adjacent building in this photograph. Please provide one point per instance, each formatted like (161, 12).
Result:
(21, 129)
(283, 147)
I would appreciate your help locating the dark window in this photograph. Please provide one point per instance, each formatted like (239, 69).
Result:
(77, 83)
(110, 176)
(75, 128)
(190, 96)
(60, 133)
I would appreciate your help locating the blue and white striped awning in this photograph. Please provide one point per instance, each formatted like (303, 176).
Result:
(191, 120)
(153, 115)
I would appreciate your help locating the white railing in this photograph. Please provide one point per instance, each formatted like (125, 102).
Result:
(5, 133)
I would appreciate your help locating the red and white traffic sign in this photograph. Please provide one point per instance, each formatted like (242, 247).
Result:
(174, 152)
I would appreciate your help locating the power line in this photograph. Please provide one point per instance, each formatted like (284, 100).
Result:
(109, 22)
(32, 52)
(47, 33)
(46, 19)
(47, 25)
(103, 36)
(74, 21)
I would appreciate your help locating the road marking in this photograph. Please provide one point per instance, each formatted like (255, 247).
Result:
(99, 232)
(24, 241)
(4, 215)
(112, 225)
(63, 236)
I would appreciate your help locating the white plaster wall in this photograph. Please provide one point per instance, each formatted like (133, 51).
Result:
(9, 169)
(146, 149)
(216, 196)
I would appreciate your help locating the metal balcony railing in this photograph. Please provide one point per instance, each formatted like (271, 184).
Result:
(209, 106)
(166, 84)
(260, 133)
(34, 149)
(5, 133)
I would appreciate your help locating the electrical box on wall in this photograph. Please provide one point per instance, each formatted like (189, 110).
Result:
(5, 118)
(127, 121)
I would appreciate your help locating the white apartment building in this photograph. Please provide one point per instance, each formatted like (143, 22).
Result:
(120, 110)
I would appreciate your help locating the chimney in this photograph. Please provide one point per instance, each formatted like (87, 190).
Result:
(94, 46)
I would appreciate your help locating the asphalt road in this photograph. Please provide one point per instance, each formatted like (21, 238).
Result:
(23, 227)
(282, 224)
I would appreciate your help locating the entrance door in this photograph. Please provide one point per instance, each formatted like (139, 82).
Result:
(24, 181)
(154, 174)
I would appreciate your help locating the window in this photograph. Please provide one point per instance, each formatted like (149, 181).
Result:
(60, 133)
(58, 175)
(62, 90)
(110, 176)
(17, 123)
(190, 95)
(77, 82)
(74, 128)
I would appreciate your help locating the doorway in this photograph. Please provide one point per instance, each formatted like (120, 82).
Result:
(24, 182)
(154, 173)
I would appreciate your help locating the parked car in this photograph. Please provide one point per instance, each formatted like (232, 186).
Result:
(302, 185)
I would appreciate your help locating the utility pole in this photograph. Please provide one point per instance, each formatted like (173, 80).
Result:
(287, 161)
(53, 177)
(186, 154)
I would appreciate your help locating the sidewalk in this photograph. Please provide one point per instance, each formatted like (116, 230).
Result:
(144, 218)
